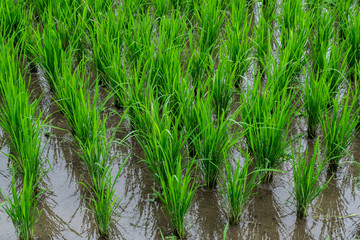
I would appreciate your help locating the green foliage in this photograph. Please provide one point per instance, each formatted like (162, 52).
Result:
(339, 127)
(22, 207)
(178, 190)
(238, 187)
(307, 171)
(266, 116)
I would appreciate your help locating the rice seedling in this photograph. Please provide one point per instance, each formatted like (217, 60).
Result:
(161, 7)
(137, 37)
(103, 203)
(178, 190)
(222, 88)
(321, 39)
(22, 207)
(262, 41)
(11, 17)
(266, 116)
(162, 140)
(344, 13)
(353, 42)
(315, 93)
(107, 45)
(338, 127)
(285, 72)
(238, 186)
(307, 171)
(237, 43)
(212, 141)
(292, 13)
(49, 51)
(210, 18)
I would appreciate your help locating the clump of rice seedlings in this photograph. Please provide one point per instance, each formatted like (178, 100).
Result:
(172, 31)
(238, 187)
(161, 7)
(210, 18)
(49, 51)
(178, 190)
(103, 203)
(335, 67)
(22, 207)
(107, 45)
(137, 37)
(344, 14)
(162, 140)
(292, 13)
(222, 87)
(11, 17)
(315, 93)
(339, 127)
(262, 41)
(212, 141)
(307, 172)
(353, 42)
(237, 44)
(286, 70)
(321, 39)
(266, 116)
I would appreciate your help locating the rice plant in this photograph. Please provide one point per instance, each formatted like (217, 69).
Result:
(339, 127)
(212, 142)
(103, 203)
(222, 87)
(237, 44)
(321, 39)
(21, 206)
(11, 17)
(315, 93)
(210, 17)
(307, 172)
(266, 116)
(178, 190)
(353, 41)
(238, 186)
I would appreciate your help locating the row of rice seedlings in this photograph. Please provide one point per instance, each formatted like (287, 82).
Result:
(22, 120)
(307, 172)
(267, 115)
(83, 111)
(338, 126)
(239, 185)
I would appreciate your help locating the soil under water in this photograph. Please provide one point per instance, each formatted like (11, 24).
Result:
(270, 214)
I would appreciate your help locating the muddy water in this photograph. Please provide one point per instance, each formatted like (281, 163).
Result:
(270, 214)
